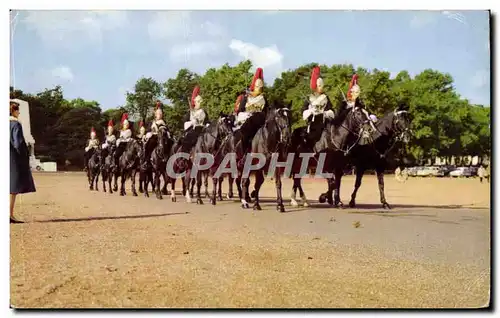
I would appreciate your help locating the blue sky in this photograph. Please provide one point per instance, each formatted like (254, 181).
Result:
(99, 55)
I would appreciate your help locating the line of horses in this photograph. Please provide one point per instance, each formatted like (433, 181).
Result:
(348, 138)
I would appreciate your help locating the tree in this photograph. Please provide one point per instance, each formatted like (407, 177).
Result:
(142, 101)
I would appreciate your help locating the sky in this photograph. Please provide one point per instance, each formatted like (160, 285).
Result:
(99, 55)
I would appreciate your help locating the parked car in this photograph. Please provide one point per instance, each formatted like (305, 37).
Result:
(430, 172)
(461, 172)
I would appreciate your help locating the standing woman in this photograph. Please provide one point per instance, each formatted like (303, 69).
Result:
(21, 180)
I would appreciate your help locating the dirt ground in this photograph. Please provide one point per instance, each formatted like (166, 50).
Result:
(84, 248)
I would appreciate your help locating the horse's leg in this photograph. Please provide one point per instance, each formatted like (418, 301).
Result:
(336, 182)
(279, 198)
(157, 183)
(219, 189)
(259, 180)
(238, 187)
(163, 173)
(172, 189)
(145, 181)
(205, 181)
(110, 181)
(199, 176)
(380, 178)
(187, 178)
(89, 177)
(303, 195)
(123, 179)
(133, 174)
(193, 183)
(230, 192)
(97, 180)
(103, 173)
(244, 191)
(141, 180)
(116, 174)
(293, 201)
(359, 176)
(213, 198)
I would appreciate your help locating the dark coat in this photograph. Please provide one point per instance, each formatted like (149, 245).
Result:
(21, 180)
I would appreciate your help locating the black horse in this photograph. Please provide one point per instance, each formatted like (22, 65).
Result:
(129, 163)
(270, 140)
(210, 142)
(373, 153)
(337, 140)
(159, 158)
(108, 166)
(93, 168)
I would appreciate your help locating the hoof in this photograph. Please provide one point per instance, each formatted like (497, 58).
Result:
(322, 198)
(339, 204)
(306, 204)
(146, 195)
(280, 208)
(115, 188)
(122, 194)
(245, 205)
(253, 194)
(134, 194)
(257, 207)
(293, 202)
(352, 204)
(159, 197)
(199, 201)
(220, 198)
(164, 192)
(230, 195)
(140, 190)
(174, 199)
(386, 205)
(213, 202)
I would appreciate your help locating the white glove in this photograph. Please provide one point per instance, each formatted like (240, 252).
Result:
(306, 113)
(87, 149)
(104, 146)
(187, 125)
(329, 114)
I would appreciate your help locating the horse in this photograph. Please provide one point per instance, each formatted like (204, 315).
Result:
(271, 139)
(209, 142)
(128, 163)
(108, 166)
(338, 138)
(372, 154)
(93, 169)
(159, 158)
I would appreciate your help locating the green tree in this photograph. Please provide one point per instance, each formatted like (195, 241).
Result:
(141, 102)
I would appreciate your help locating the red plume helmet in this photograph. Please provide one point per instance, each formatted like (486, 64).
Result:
(354, 81)
(141, 124)
(237, 104)
(158, 104)
(315, 74)
(92, 130)
(124, 117)
(110, 123)
(196, 92)
(258, 75)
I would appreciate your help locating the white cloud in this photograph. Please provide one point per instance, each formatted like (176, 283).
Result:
(181, 52)
(421, 20)
(170, 25)
(260, 56)
(70, 28)
(213, 29)
(455, 16)
(480, 79)
(62, 72)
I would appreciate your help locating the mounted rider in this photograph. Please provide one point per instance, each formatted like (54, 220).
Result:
(110, 137)
(92, 144)
(252, 110)
(353, 99)
(317, 108)
(194, 121)
(125, 136)
(142, 132)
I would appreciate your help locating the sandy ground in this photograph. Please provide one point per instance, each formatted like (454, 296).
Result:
(83, 248)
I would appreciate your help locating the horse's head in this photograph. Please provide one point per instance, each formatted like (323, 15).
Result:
(225, 124)
(357, 119)
(282, 116)
(401, 123)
